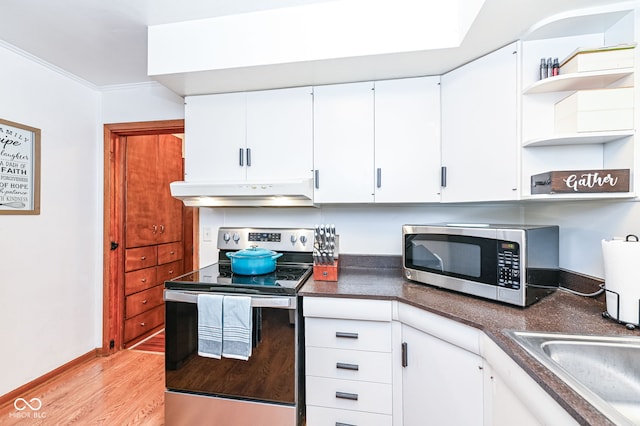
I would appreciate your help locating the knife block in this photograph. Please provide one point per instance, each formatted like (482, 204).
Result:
(326, 272)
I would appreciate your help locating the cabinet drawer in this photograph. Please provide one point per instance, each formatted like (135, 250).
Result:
(139, 280)
(141, 257)
(143, 301)
(169, 252)
(349, 364)
(143, 323)
(348, 334)
(322, 416)
(169, 271)
(349, 395)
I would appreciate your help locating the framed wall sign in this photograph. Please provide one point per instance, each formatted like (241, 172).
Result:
(19, 168)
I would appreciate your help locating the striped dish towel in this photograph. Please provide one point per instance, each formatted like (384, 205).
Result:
(210, 325)
(237, 327)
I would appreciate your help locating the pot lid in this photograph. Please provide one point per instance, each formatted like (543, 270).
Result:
(254, 252)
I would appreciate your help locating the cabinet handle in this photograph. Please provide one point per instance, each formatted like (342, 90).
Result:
(144, 280)
(345, 366)
(144, 302)
(143, 257)
(241, 158)
(317, 178)
(346, 395)
(344, 424)
(346, 335)
(443, 176)
(171, 272)
(405, 358)
(161, 229)
(379, 177)
(172, 252)
(155, 228)
(248, 157)
(141, 324)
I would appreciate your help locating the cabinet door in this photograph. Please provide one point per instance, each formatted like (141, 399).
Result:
(215, 135)
(168, 207)
(141, 217)
(407, 140)
(479, 129)
(343, 143)
(442, 384)
(280, 134)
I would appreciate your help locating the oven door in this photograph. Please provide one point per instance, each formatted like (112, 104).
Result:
(270, 373)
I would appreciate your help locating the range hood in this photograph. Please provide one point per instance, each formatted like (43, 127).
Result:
(284, 193)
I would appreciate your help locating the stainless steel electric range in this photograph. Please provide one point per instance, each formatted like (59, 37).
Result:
(268, 387)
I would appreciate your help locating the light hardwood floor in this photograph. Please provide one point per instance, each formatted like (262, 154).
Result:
(126, 388)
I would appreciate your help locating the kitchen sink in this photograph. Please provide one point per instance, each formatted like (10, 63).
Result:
(603, 370)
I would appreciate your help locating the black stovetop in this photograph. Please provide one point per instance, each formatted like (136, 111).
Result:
(286, 279)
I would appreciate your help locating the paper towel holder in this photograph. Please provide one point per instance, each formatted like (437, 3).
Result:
(606, 314)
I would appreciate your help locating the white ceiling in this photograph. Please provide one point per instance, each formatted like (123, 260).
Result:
(104, 42)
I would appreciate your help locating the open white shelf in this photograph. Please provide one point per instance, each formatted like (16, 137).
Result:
(578, 81)
(579, 138)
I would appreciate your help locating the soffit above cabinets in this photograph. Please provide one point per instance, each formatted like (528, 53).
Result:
(104, 43)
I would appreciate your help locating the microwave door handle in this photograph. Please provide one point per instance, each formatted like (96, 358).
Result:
(256, 302)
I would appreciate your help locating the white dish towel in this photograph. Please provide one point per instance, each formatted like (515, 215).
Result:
(237, 320)
(210, 325)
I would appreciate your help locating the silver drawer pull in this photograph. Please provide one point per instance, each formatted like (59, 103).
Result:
(143, 257)
(346, 335)
(144, 280)
(344, 424)
(144, 302)
(346, 395)
(345, 366)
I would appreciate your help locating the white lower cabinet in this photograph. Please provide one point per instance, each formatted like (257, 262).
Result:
(348, 363)
(442, 384)
(374, 363)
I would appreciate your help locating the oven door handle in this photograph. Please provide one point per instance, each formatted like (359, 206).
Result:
(284, 302)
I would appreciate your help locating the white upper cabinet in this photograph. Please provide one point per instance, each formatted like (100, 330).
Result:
(407, 140)
(343, 143)
(378, 142)
(480, 139)
(280, 134)
(251, 136)
(215, 137)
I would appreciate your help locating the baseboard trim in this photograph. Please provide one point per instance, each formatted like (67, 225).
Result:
(20, 392)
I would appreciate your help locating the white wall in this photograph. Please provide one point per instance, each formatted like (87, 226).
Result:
(50, 263)
(140, 102)
(377, 230)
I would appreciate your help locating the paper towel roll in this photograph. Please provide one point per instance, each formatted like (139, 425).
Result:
(622, 276)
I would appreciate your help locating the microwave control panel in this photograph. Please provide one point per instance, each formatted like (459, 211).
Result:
(509, 264)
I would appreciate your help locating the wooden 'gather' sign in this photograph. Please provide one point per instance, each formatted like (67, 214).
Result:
(19, 168)
(577, 181)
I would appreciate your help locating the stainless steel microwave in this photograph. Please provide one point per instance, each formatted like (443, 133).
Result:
(515, 264)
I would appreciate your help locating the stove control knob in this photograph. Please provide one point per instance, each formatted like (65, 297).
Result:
(294, 238)
(303, 239)
(226, 237)
(236, 237)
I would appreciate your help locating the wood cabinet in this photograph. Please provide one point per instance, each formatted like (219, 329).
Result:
(153, 230)
(545, 146)
(152, 215)
(377, 141)
(264, 135)
(348, 362)
(480, 129)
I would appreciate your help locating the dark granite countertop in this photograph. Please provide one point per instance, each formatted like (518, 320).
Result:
(560, 312)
